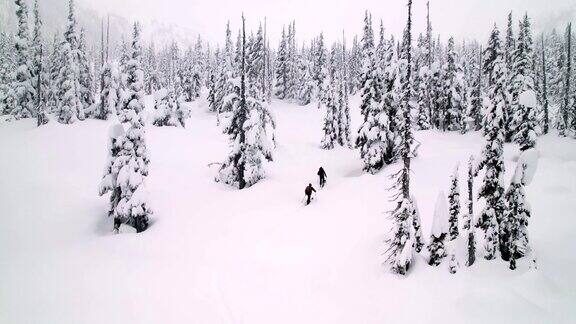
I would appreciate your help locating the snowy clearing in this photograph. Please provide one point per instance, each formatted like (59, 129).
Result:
(219, 255)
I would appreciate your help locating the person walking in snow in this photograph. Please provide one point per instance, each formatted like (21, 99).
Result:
(308, 191)
(322, 174)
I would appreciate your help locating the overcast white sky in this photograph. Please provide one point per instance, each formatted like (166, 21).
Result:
(461, 18)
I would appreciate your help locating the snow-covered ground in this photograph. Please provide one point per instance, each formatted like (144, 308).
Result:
(218, 255)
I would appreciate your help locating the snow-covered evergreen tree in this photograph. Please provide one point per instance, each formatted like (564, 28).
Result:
(291, 62)
(436, 94)
(417, 226)
(70, 107)
(492, 54)
(213, 90)
(509, 49)
(545, 117)
(182, 112)
(492, 190)
(109, 81)
(307, 90)
(474, 112)
(55, 60)
(523, 118)
(319, 69)
(265, 124)
(425, 91)
(85, 75)
(423, 117)
(6, 68)
(150, 66)
(469, 216)
(134, 95)
(244, 165)
(370, 97)
(454, 91)
(344, 121)
(565, 107)
(185, 76)
(41, 116)
(380, 48)
(198, 69)
(132, 161)
(517, 213)
(374, 133)
(37, 56)
(422, 84)
(526, 130)
(191, 71)
(439, 235)
(282, 71)
(225, 89)
(269, 68)
(109, 92)
(165, 103)
(402, 244)
(556, 67)
(454, 201)
(509, 43)
(330, 104)
(109, 182)
(123, 74)
(256, 64)
(392, 70)
(23, 80)
(355, 67)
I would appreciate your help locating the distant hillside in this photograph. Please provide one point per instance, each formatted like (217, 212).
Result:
(55, 12)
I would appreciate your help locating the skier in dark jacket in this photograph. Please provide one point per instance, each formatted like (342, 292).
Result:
(308, 191)
(322, 174)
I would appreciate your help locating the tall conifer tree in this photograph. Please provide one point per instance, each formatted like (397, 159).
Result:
(403, 242)
(22, 84)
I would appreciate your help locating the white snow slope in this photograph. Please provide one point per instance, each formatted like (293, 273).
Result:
(219, 255)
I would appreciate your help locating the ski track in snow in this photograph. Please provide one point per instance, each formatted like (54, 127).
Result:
(218, 255)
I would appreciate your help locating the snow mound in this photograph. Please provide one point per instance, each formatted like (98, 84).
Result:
(116, 131)
(528, 160)
(160, 94)
(440, 222)
(528, 99)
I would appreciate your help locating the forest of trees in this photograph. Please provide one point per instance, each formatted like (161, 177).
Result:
(512, 87)
(58, 75)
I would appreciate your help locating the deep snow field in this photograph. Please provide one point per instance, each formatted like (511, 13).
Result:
(219, 255)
